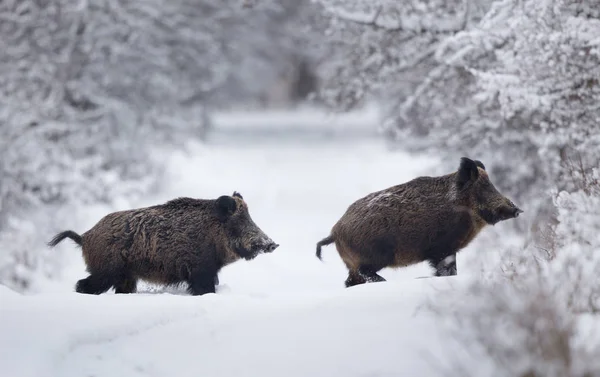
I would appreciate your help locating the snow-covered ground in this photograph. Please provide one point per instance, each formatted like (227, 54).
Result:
(282, 314)
(371, 330)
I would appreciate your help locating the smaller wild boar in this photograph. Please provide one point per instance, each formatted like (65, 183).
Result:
(183, 240)
(425, 219)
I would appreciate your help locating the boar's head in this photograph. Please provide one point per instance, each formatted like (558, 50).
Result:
(244, 236)
(473, 182)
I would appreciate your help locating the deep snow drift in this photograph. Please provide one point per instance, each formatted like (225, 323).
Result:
(282, 314)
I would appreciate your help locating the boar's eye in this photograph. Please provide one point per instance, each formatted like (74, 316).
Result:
(226, 205)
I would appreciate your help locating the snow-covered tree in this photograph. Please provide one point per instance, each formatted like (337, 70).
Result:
(542, 83)
(388, 46)
(276, 40)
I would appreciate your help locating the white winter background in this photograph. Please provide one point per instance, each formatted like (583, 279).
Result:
(302, 107)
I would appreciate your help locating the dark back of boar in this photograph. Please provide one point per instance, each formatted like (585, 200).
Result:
(184, 240)
(426, 219)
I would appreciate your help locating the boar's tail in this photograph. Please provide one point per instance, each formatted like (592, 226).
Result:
(323, 242)
(66, 234)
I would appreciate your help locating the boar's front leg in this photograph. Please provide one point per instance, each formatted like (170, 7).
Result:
(127, 284)
(442, 254)
(202, 282)
(97, 283)
(446, 266)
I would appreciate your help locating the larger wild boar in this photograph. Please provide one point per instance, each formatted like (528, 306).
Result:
(183, 240)
(426, 219)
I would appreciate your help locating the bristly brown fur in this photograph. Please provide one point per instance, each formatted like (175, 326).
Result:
(425, 219)
(183, 240)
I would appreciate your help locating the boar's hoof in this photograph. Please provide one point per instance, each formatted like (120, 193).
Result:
(370, 275)
(446, 267)
(354, 278)
(94, 284)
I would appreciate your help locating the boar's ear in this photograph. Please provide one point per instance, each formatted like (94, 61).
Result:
(226, 205)
(479, 164)
(467, 171)
(237, 194)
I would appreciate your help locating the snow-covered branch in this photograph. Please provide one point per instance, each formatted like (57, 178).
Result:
(417, 16)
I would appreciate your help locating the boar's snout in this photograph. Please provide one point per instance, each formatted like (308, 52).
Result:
(509, 211)
(271, 247)
(264, 246)
(517, 212)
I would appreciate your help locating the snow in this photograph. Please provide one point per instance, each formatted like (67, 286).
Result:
(282, 314)
(371, 330)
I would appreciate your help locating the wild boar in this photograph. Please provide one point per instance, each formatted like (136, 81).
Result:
(183, 240)
(425, 219)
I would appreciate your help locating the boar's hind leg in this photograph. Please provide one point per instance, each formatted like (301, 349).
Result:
(95, 284)
(354, 278)
(370, 274)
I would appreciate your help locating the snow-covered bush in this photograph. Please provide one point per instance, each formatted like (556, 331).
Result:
(519, 328)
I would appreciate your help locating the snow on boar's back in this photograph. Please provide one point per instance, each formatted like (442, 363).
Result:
(425, 219)
(183, 240)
